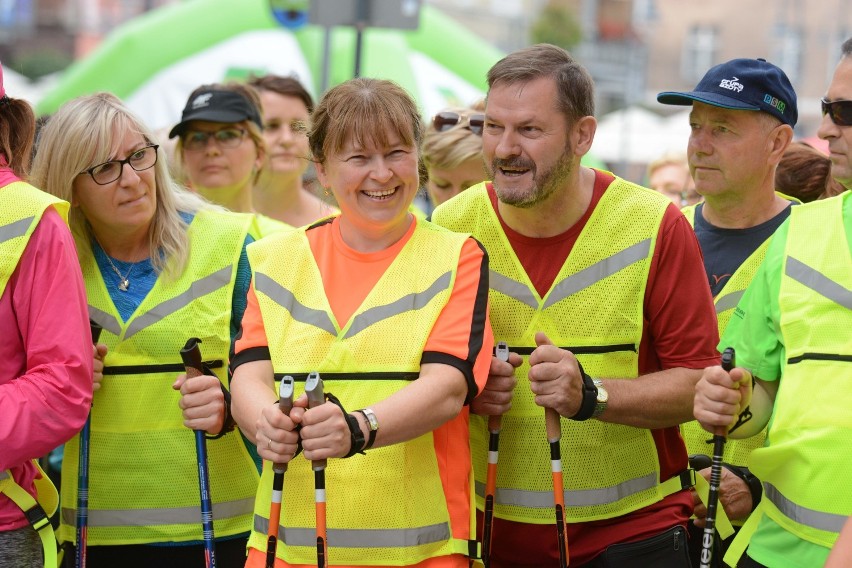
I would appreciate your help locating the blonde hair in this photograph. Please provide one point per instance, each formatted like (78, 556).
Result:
(83, 133)
(667, 159)
(255, 133)
(448, 149)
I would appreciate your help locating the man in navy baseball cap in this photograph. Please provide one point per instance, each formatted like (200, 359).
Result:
(743, 84)
(742, 119)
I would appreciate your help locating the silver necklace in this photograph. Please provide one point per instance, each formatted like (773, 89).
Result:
(123, 281)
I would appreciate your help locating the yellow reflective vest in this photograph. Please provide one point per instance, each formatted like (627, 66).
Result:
(737, 451)
(806, 455)
(143, 480)
(388, 506)
(595, 309)
(21, 209)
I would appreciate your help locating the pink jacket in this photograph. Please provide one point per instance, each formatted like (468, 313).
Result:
(46, 354)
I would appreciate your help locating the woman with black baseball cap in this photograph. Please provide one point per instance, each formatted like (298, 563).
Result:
(222, 150)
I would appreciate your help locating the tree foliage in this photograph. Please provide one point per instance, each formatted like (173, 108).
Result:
(557, 25)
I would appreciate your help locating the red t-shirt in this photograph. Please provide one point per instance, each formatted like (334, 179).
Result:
(679, 330)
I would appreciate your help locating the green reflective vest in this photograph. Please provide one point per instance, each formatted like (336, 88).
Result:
(806, 455)
(143, 481)
(595, 309)
(388, 506)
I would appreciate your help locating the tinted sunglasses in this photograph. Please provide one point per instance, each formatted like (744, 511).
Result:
(446, 120)
(840, 112)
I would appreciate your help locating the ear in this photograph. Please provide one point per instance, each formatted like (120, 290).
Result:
(779, 139)
(322, 176)
(260, 161)
(583, 134)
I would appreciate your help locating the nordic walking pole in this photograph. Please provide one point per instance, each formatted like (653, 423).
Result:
(191, 355)
(707, 539)
(314, 390)
(285, 404)
(494, 424)
(554, 434)
(83, 476)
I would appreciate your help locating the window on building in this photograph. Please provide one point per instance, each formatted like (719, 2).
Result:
(699, 52)
(510, 8)
(787, 52)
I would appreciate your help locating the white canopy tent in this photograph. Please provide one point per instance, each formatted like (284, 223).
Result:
(635, 135)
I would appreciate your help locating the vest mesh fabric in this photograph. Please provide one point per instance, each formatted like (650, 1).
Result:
(804, 457)
(595, 303)
(389, 506)
(21, 208)
(737, 451)
(143, 481)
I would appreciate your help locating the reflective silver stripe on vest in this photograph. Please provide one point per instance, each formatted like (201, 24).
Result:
(105, 320)
(511, 288)
(818, 282)
(407, 303)
(598, 271)
(197, 289)
(802, 515)
(162, 516)
(362, 538)
(15, 229)
(4, 475)
(285, 298)
(728, 301)
(573, 498)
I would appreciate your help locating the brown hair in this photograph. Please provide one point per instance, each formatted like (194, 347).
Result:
(284, 86)
(17, 130)
(574, 85)
(805, 173)
(365, 111)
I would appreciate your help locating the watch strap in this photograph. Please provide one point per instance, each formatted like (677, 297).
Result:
(754, 485)
(590, 397)
(373, 425)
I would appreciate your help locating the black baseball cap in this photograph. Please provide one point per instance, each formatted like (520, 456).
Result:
(743, 84)
(217, 106)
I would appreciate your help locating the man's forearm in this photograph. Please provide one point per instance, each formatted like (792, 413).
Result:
(656, 400)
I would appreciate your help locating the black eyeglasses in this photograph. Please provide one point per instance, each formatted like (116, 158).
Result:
(195, 140)
(840, 112)
(108, 172)
(446, 120)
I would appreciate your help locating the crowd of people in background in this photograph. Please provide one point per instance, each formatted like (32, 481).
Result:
(526, 377)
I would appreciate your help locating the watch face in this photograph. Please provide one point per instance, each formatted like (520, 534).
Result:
(603, 396)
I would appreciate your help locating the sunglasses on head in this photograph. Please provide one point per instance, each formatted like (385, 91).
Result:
(446, 120)
(840, 112)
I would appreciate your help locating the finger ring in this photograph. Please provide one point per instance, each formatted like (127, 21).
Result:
(269, 444)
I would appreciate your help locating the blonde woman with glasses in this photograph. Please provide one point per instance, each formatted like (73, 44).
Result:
(160, 265)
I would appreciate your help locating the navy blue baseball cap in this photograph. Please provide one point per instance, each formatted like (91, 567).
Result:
(216, 105)
(743, 84)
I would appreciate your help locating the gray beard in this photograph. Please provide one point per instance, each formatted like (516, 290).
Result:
(544, 185)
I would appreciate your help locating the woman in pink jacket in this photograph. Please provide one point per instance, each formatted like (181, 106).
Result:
(45, 343)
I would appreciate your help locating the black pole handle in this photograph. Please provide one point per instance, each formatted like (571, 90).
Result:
(191, 355)
(96, 330)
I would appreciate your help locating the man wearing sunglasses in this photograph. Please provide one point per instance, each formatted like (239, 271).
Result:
(597, 286)
(792, 326)
(742, 119)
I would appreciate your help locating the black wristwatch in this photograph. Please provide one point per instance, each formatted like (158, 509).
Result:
(590, 397)
(755, 487)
